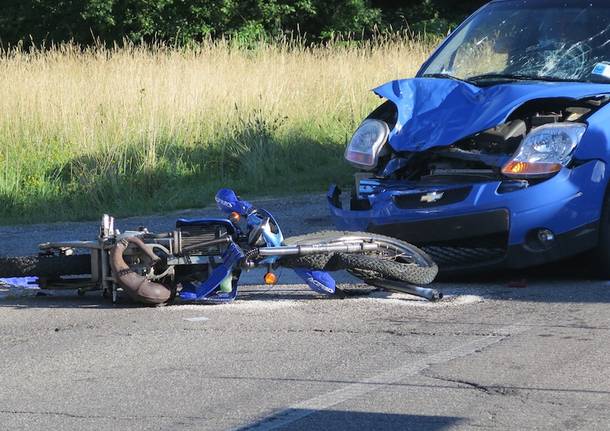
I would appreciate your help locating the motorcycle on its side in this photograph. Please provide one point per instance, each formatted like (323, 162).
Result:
(201, 260)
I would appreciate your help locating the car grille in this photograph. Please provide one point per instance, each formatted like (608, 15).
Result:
(449, 257)
(418, 200)
(465, 241)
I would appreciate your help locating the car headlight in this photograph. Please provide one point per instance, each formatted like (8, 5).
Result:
(365, 147)
(545, 150)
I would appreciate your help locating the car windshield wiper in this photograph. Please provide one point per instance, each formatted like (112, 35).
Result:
(447, 76)
(517, 77)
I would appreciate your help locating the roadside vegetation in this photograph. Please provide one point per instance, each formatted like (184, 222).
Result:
(138, 128)
(39, 22)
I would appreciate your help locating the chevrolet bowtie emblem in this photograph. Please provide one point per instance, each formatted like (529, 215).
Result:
(432, 197)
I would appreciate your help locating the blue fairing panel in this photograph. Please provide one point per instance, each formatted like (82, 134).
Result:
(463, 109)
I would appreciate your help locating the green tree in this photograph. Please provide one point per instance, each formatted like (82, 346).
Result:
(185, 20)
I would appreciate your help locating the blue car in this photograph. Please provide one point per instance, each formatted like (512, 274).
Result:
(496, 154)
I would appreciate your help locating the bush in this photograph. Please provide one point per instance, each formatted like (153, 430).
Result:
(182, 21)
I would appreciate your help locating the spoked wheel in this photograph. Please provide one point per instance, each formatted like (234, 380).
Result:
(393, 260)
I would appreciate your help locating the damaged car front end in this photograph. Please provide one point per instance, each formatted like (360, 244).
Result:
(496, 154)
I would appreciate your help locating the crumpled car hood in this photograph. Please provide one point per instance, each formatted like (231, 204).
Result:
(439, 112)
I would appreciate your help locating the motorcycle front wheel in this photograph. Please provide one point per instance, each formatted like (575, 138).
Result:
(393, 260)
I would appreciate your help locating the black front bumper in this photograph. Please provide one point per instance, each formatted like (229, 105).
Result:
(448, 229)
(480, 241)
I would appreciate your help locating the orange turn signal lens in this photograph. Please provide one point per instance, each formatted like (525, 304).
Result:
(526, 169)
(234, 217)
(270, 278)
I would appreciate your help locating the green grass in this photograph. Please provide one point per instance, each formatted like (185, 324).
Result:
(256, 156)
(138, 130)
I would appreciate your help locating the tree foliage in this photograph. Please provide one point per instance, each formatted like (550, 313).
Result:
(84, 21)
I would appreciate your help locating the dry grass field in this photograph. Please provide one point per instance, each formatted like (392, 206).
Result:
(141, 129)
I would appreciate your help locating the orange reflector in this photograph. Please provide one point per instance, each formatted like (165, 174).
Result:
(525, 169)
(234, 217)
(270, 278)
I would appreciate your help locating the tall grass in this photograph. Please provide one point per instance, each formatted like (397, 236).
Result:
(138, 129)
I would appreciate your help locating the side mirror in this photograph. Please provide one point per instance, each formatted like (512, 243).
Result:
(228, 202)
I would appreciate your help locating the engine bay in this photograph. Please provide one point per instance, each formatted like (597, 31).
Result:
(481, 157)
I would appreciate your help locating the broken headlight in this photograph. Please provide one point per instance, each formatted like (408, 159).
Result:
(545, 150)
(367, 144)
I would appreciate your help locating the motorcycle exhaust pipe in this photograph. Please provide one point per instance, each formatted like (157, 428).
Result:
(139, 288)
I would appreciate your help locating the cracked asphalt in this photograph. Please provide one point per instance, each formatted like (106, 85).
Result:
(488, 357)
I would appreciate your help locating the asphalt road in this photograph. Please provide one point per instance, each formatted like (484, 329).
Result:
(487, 357)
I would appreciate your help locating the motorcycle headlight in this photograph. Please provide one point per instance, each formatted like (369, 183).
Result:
(365, 147)
(545, 150)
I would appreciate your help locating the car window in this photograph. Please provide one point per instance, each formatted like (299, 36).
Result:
(538, 39)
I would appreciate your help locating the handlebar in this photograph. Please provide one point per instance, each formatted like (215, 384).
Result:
(303, 250)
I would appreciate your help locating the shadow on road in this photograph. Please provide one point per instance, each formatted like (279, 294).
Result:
(343, 420)
(564, 282)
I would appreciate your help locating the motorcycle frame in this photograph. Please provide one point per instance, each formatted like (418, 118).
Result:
(101, 277)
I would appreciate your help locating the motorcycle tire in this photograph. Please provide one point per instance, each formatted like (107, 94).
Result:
(395, 260)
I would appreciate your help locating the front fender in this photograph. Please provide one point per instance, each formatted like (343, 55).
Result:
(595, 144)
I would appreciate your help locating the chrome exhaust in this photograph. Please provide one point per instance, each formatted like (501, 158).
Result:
(138, 287)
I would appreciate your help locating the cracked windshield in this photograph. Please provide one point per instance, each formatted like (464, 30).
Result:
(515, 40)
